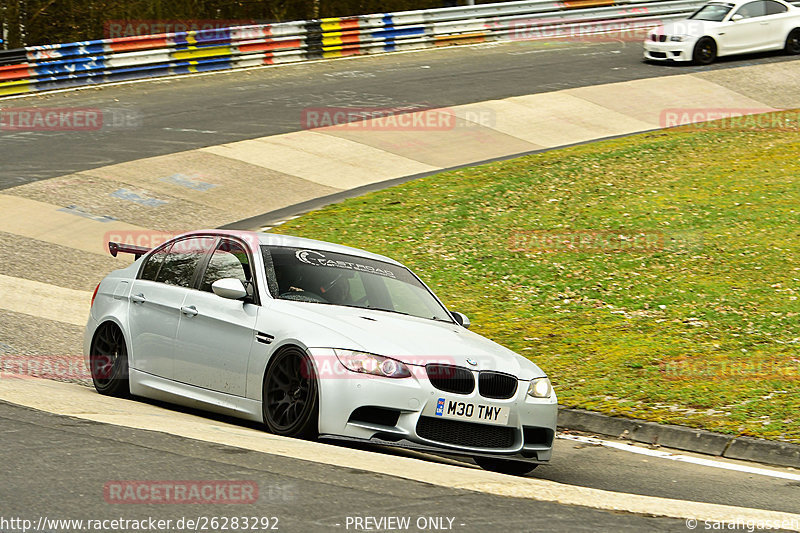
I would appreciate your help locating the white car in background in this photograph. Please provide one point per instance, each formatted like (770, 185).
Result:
(314, 340)
(727, 28)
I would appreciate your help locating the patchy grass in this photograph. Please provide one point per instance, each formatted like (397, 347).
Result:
(675, 298)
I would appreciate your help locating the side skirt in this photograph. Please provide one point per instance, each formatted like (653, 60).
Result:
(166, 390)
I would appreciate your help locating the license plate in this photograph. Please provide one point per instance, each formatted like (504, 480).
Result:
(468, 411)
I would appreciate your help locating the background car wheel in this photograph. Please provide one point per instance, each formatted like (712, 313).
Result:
(290, 398)
(705, 51)
(793, 42)
(505, 466)
(108, 361)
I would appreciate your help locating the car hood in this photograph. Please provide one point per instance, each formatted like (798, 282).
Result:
(413, 340)
(695, 28)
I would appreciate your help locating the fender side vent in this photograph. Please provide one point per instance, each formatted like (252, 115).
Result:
(264, 338)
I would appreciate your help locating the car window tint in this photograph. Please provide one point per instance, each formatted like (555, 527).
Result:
(775, 8)
(753, 9)
(712, 12)
(269, 270)
(357, 290)
(325, 277)
(179, 264)
(228, 261)
(407, 299)
(153, 264)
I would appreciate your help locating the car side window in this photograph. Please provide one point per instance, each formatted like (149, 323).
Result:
(153, 264)
(753, 9)
(775, 8)
(179, 265)
(229, 260)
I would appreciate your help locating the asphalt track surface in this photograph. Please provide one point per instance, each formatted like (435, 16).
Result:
(162, 117)
(56, 466)
(76, 458)
(574, 464)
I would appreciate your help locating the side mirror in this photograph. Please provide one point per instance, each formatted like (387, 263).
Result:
(461, 318)
(230, 288)
(737, 17)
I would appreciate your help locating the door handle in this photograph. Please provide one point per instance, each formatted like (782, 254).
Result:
(138, 298)
(189, 310)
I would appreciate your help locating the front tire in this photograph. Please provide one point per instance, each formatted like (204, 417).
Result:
(505, 466)
(793, 42)
(705, 51)
(290, 395)
(108, 361)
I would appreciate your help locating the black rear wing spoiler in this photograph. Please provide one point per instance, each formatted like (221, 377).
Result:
(137, 251)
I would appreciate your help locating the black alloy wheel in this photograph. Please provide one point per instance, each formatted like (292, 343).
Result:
(793, 42)
(705, 51)
(108, 361)
(290, 400)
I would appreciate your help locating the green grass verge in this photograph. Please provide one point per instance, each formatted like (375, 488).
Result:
(691, 317)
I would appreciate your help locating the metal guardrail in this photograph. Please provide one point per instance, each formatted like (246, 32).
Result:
(42, 68)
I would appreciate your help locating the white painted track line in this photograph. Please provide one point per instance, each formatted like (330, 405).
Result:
(661, 454)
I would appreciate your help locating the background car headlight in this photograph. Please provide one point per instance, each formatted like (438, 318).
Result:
(367, 363)
(679, 38)
(540, 388)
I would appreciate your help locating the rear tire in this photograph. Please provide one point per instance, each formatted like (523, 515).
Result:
(793, 42)
(705, 51)
(108, 361)
(290, 395)
(505, 466)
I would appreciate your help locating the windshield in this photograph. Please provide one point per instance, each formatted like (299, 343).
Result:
(712, 12)
(314, 276)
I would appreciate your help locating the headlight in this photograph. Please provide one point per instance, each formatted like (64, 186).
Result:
(679, 38)
(540, 388)
(367, 363)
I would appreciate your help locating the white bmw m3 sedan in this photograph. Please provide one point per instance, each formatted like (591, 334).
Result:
(315, 340)
(725, 28)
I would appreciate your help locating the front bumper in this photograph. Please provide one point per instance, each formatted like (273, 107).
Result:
(349, 403)
(669, 50)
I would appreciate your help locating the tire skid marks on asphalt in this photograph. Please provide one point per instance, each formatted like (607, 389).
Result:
(81, 402)
(661, 454)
